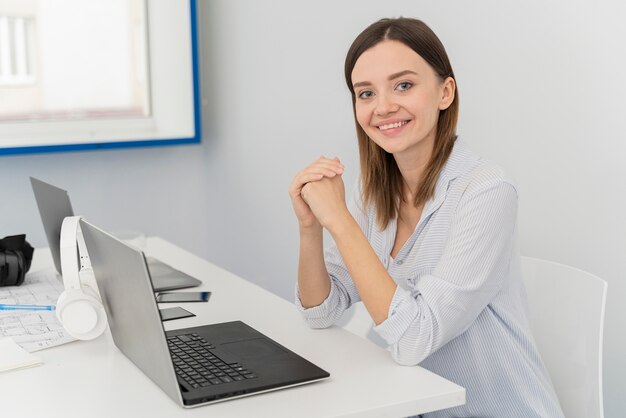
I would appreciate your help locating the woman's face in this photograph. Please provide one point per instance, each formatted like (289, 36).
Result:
(399, 97)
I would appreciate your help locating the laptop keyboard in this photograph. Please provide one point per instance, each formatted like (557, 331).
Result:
(195, 364)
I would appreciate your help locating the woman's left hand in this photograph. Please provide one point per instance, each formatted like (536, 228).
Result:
(327, 200)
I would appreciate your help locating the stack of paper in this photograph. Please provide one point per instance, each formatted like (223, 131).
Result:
(12, 356)
(33, 330)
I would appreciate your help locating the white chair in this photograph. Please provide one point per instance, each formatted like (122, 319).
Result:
(567, 320)
(358, 321)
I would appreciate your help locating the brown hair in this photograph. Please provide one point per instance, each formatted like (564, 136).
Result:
(380, 177)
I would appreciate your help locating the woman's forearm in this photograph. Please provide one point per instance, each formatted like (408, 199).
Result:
(372, 281)
(313, 280)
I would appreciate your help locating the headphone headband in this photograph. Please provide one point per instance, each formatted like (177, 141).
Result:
(69, 252)
(78, 308)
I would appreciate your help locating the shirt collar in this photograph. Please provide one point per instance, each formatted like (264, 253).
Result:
(460, 160)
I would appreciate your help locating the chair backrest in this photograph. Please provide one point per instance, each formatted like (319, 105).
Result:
(358, 321)
(567, 320)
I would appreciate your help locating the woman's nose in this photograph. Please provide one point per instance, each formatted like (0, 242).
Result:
(385, 105)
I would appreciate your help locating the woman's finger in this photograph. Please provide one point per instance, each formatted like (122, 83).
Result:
(334, 164)
(301, 179)
(320, 168)
(328, 169)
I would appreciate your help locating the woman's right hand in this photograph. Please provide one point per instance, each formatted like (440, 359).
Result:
(320, 168)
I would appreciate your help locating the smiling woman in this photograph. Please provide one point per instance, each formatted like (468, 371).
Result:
(428, 240)
(83, 74)
(397, 113)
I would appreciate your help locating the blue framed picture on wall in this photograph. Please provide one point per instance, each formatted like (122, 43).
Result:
(87, 74)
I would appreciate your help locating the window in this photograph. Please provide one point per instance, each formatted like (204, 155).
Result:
(80, 74)
(16, 50)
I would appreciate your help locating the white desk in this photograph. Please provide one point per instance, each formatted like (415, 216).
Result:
(94, 379)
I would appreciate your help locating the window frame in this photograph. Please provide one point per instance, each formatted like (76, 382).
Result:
(196, 137)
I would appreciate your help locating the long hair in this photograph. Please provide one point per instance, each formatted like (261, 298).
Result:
(380, 177)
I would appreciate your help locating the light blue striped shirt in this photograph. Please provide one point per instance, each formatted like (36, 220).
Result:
(460, 306)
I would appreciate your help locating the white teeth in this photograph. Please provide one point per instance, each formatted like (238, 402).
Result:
(392, 125)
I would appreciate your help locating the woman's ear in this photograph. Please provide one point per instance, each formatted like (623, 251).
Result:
(448, 90)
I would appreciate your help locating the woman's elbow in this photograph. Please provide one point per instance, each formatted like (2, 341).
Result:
(407, 356)
(405, 359)
(318, 324)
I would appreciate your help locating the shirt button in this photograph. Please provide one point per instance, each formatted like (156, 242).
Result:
(399, 262)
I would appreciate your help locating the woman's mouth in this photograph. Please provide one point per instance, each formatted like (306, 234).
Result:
(393, 127)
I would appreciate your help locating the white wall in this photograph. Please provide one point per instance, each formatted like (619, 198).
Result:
(542, 93)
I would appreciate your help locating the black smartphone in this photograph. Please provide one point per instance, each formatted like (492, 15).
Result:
(183, 297)
(167, 314)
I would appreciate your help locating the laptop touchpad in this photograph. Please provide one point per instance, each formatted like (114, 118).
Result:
(253, 349)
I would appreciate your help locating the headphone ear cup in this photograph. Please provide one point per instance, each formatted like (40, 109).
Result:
(81, 313)
(21, 271)
(4, 268)
(13, 266)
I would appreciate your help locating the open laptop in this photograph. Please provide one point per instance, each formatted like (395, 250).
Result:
(54, 205)
(194, 366)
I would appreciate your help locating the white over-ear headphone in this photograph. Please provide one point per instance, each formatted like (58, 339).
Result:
(79, 307)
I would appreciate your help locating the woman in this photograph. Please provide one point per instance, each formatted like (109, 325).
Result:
(428, 242)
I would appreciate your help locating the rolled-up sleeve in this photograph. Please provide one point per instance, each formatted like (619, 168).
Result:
(444, 302)
(326, 313)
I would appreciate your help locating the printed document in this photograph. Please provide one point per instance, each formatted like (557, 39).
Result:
(34, 330)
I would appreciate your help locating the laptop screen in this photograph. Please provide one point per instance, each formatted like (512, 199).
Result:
(127, 295)
(54, 205)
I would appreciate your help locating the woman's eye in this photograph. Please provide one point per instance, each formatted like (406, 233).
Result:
(405, 85)
(365, 94)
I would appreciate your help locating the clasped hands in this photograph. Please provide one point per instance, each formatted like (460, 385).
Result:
(318, 194)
